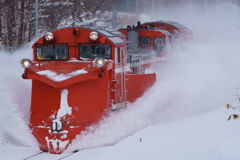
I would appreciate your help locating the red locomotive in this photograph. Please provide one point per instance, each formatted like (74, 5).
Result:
(81, 74)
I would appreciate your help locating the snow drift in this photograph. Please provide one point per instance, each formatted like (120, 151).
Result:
(202, 76)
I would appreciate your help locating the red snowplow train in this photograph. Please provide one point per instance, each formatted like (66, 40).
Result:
(81, 74)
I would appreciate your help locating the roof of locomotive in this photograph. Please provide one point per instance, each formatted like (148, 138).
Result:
(174, 24)
(165, 32)
(109, 33)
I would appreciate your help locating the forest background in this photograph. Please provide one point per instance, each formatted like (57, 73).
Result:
(18, 18)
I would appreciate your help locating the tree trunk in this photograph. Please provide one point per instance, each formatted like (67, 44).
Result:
(1, 25)
(11, 25)
(21, 20)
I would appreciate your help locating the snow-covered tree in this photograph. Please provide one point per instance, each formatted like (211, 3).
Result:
(17, 17)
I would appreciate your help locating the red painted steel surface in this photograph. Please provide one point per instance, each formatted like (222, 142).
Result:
(138, 84)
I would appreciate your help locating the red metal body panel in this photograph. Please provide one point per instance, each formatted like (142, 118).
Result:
(137, 84)
(87, 106)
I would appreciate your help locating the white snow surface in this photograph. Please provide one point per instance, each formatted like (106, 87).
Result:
(64, 107)
(61, 77)
(182, 117)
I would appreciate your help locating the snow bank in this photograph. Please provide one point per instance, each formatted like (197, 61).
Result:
(207, 136)
(14, 100)
(202, 77)
(61, 77)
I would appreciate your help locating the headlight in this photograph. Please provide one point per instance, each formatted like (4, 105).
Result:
(26, 63)
(93, 36)
(99, 62)
(175, 32)
(158, 42)
(49, 36)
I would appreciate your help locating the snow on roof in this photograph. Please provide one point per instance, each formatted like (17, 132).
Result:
(116, 40)
(174, 24)
(164, 32)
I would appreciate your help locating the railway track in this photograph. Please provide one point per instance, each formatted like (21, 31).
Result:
(42, 155)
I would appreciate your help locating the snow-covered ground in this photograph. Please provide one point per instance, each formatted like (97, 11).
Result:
(183, 116)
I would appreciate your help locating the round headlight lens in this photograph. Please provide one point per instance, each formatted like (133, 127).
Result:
(93, 36)
(49, 36)
(99, 62)
(26, 63)
(158, 42)
(175, 32)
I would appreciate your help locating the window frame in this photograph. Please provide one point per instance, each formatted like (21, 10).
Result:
(94, 44)
(54, 54)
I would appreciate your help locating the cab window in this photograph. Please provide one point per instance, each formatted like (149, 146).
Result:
(52, 52)
(94, 51)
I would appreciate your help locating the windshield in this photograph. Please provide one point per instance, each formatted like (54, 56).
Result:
(94, 51)
(52, 52)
